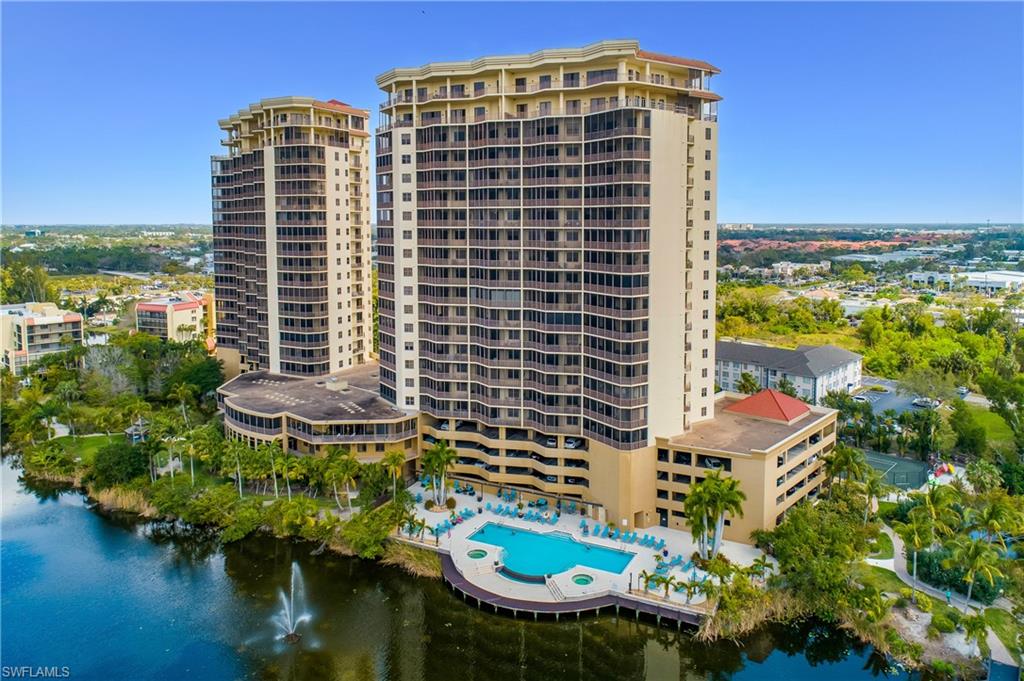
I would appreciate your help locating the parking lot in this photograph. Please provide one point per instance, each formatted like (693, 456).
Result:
(891, 399)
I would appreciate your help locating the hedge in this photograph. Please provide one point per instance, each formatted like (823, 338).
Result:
(930, 571)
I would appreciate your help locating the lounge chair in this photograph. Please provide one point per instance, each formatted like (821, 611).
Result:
(597, 529)
(661, 545)
(554, 519)
(615, 534)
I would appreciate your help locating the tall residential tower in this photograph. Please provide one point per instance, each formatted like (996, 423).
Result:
(547, 250)
(291, 238)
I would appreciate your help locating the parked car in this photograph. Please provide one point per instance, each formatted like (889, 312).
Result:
(571, 443)
(963, 391)
(551, 441)
(925, 403)
(860, 398)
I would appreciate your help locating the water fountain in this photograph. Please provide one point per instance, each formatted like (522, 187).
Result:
(293, 609)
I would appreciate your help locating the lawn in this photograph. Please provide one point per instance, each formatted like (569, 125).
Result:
(885, 549)
(885, 507)
(1003, 625)
(999, 434)
(86, 447)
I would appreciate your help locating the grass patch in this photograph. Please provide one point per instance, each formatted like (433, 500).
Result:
(885, 507)
(1004, 627)
(999, 434)
(885, 549)
(85, 446)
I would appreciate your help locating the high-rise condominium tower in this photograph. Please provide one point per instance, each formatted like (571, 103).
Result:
(547, 251)
(291, 238)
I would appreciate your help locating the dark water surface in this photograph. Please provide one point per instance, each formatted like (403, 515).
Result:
(112, 598)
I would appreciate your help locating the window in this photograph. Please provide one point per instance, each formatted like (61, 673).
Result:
(410, 382)
(407, 215)
(663, 494)
(406, 138)
(707, 133)
(707, 175)
(704, 353)
(707, 196)
(663, 455)
(707, 233)
(707, 215)
(705, 295)
(704, 314)
(703, 392)
(707, 155)
(704, 372)
(409, 401)
(703, 411)
(407, 196)
(406, 177)
(406, 233)
(707, 255)
(406, 158)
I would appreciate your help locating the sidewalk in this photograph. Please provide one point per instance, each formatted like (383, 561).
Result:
(898, 565)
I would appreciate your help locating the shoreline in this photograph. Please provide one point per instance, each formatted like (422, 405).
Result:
(779, 608)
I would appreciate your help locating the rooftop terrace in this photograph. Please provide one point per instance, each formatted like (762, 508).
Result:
(739, 433)
(350, 395)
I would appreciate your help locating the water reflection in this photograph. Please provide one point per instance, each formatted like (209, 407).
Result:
(159, 600)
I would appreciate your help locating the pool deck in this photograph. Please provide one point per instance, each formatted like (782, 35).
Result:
(478, 579)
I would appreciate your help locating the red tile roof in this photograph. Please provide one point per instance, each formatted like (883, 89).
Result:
(771, 404)
(342, 106)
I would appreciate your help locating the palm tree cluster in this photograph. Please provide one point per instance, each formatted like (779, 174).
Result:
(436, 461)
(915, 431)
(707, 505)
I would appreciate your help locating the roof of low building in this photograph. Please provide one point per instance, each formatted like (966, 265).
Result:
(735, 432)
(807, 360)
(771, 404)
(351, 395)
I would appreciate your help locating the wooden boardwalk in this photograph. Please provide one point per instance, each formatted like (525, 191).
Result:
(590, 606)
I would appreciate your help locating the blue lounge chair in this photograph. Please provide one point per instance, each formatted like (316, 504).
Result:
(488, 506)
(583, 524)
(597, 529)
(614, 534)
(419, 498)
(554, 519)
(661, 545)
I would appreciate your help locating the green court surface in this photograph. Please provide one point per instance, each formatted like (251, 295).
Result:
(899, 472)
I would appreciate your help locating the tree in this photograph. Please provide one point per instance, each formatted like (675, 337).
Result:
(436, 462)
(747, 384)
(182, 393)
(845, 463)
(786, 387)
(394, 462)
(342, 470)
(707, 505)
(970, 434)
(667, 581)
(977, 558)
(997, 516)
(939, 504)
(236, 451)
(926, 382)
(270, 451)
(875, 487)
(67, 392)
(983, 476)
(118, 463)
(976, 630)
(289, 465)
(917, 533)
(1006, 396)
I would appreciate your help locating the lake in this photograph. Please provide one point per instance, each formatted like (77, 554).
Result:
(113, 598)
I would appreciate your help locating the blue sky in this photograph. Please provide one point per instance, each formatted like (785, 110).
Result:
(872, 112)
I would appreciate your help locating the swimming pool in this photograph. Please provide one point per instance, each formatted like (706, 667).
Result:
(531, 553)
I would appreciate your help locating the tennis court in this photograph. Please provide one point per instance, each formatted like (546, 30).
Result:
(899, 472)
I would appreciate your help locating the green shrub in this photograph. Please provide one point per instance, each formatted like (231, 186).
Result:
(924, 604)
(450, 503)
(942, 623)
(901, 602)
(906, 593)
(931, 571)
(118, 463)
(953, 616)
(933, 633)
(428, 504)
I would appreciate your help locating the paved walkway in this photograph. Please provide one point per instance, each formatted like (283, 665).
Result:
(898, 565)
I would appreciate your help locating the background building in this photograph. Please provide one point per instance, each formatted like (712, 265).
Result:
(291, 237)
(179, 316)
(32, 330)
(813, 370)
(991, 282)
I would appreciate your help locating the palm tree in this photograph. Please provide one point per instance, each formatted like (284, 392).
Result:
(436, 462)
(289, 465)
(182, 394)
(394, 462)
(667, 581)
(747, 384)
(976, 557)
(918, 533)
(845, 463)
(939, 503)
(997, 516)
(270, 450)
(709, 501)
(236, 450)
(760, 567)
(67, 392)
(875, 487)
(976, 630)
(342, 469)
(648, 578)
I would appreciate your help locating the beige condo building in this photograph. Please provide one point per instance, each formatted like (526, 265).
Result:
(292, 238)
(30, 331)
(546, 262)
